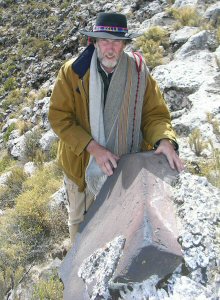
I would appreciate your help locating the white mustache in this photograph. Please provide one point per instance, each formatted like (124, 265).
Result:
(110, 55)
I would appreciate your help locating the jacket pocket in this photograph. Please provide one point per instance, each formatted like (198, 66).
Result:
(70, 162)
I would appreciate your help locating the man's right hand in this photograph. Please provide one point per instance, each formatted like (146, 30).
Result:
(106, 160)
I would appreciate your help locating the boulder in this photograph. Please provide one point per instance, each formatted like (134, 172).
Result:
(179, 37)
(129, 233)
(47, 140)
(191, 83)
(202, 40)
(30, 168)
(213, 13)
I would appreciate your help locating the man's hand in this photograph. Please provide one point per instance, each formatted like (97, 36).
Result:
(167, 149)
(106, 160)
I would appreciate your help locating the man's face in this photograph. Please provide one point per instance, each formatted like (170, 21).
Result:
(109, 52)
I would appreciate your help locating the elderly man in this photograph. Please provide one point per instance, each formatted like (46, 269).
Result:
(106, 104)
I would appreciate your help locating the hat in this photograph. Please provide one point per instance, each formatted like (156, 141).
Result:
(110, 26)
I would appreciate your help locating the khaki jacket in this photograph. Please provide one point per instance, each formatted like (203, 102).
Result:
(69, 118)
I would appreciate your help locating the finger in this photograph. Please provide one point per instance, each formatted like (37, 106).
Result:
(171, 163)
(158, 151)
(104, 170)
(108, 168)
(179, 165)
(113, 162)
(116, 157)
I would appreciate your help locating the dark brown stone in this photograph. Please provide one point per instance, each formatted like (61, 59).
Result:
(134, 203)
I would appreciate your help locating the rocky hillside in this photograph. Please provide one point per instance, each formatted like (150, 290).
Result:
(180, 44)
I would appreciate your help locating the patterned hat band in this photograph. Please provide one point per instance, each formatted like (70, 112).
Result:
(110, 29)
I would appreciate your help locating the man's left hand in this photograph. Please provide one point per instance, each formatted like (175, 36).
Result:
(166, 147)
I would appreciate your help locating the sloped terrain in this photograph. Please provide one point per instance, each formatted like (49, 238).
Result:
(181, 46)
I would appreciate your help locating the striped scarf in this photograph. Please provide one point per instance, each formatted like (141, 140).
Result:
(116, 125)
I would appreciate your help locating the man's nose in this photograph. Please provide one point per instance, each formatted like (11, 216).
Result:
(110, 45)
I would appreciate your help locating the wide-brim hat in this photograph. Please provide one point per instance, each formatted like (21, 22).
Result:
(110, 26)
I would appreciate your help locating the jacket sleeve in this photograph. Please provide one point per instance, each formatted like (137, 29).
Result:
(156, 122)
(62, 113)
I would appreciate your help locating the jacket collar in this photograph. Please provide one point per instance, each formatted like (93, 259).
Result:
(82, 63)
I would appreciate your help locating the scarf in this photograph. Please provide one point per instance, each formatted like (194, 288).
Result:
(116, 126)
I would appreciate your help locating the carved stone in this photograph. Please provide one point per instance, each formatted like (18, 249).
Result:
(135, 204)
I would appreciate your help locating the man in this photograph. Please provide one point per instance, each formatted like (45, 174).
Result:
(106, 104)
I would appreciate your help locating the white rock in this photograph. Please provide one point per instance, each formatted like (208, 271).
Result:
(182, 35)
(198, 4)
(202, 40)
(213, 12)
(4, 178)
(30, 168)
(59, 197)
(47, 139)
(99, 267)
(17, 147)
(186, 288)
(8, 123)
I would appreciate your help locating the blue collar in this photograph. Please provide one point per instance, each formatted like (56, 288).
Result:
(82, 63)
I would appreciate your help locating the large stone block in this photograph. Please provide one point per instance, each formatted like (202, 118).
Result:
(129, 233)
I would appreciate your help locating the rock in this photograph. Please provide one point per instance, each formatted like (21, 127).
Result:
(200, 241)
(179, 37)
(160, 19)
(133, 207)
(197, 238)
(193, 290)
(59, 198)
(30, 168)
(186, 73)
(3, 178)
(9, 123)
(198, 4)
(213, 13)
(192, 83)
(16, 147)
(200, 41)
(217, 55)
(47, 139)
(149, 10)
(26, 113)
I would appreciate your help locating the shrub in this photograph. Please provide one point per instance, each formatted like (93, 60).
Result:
(23, 126)
(48, 289)
(13, 187)
(34, 95)
(9, 84)
(157, 34)
(218, 34)
(152, 45)
(215, 124)
(196, 142)
(41, 94)
(5, 162)
(31, 228)
(38, 221)
(12, 258)
(186, 16)
(8, 132)
(40, 157)
(31, 45)
(15, 97)
(53, 150)
(58, 38)
(32, 144)
(211, 167)
(153, 53)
